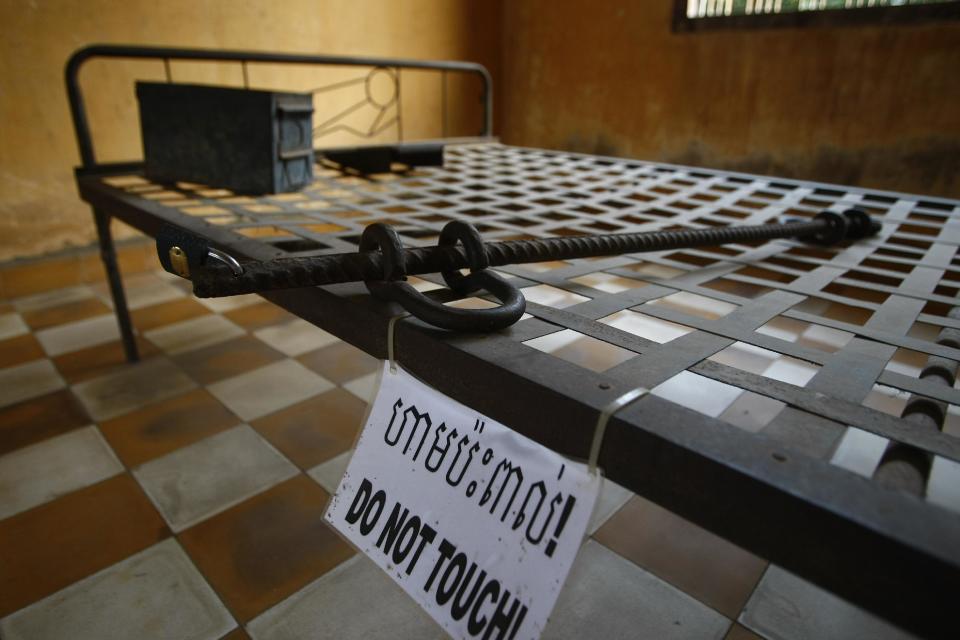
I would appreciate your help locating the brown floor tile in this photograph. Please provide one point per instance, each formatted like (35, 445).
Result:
(737, 632)
(102, 359)
(696, 561)
(40, 418)
(236, 634)
(14, 351)
(158, 315)
(91, 268)
(340, 362)
(58, 543)
(137, 257)
(257, 316)
(164, 426)
(131, 257)
(39, 276)
(315, 430)
(265, 549)
(61, 314)
(227, 359)
(5, 307)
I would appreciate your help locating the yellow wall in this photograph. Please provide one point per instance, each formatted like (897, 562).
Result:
(875, 106)
(39, 208)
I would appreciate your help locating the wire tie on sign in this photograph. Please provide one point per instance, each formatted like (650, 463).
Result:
(391, 340)
(604, 418)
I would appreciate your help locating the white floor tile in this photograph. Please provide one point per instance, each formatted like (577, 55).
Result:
(28, 380)
(355, 600)
(698, 393)
(49, 469)
(645, 326)
(229, 303)
(328, 474)
(951, 424)
(81, 334)
(826, 338)
(859, 451)
(207, 477)
(169, 278)
(612, 497)
(296, 337)
(608, 283)
(268, 389)
(12, 325)
(194, 333)
(552, 296)
(607, 596)
(363, 387)
(746, 357)
(422, 285)
(791, 371)
(156, 594)
(785, 607)
(131, 388)
(142, 290)
(554, 341)
(53, 298)
(944, 485)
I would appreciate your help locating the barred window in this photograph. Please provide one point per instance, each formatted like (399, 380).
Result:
(694, 14)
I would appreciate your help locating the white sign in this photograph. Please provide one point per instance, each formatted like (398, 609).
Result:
(479, 524)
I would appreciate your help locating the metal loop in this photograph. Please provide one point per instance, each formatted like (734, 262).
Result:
(392, 341)
(466, 233)
(393, 287)
(235, 267)
(385, 238)
(512, 304)
(604, 418)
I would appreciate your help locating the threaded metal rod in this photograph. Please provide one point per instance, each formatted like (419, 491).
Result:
(286, 273)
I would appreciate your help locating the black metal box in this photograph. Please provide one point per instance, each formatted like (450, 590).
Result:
(245, 140)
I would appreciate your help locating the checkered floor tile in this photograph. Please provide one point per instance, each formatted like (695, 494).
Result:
(182, 497)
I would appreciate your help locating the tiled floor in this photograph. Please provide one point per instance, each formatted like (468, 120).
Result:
(182, 497)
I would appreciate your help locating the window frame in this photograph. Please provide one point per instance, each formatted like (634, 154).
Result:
(888, 15)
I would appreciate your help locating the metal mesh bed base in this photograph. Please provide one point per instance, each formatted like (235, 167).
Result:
(770, 365)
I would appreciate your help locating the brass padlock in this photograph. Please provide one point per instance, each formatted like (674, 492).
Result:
(178, 260)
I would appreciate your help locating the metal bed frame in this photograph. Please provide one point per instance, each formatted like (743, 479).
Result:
(774, 492)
